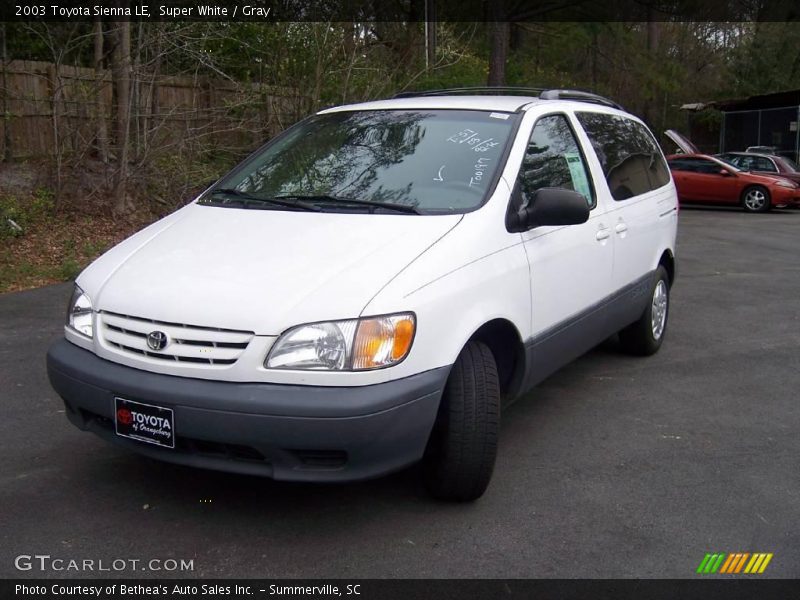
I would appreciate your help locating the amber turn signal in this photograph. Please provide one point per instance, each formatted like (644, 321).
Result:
(383, 341)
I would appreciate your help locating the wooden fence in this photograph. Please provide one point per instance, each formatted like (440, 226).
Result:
(46, 109)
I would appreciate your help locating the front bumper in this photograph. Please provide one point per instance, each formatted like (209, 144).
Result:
(784, 197)
(287, 432)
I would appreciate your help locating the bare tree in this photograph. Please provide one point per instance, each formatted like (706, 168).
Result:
(7, 153)
(121, 75)
(101, 126)
(498, 54)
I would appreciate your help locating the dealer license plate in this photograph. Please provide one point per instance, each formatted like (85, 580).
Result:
(144, 422)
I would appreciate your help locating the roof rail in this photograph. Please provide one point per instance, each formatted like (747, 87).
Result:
(542, 93)
(478, 90)
(578, 95)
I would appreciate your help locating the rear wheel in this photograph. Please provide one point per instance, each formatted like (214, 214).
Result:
(644, 337)
(460, 456)
(756, 199)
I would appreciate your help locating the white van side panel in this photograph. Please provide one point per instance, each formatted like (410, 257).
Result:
(476, 274)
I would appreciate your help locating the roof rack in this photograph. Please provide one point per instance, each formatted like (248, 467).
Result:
(478, 90)
(541, 93)
(580, 96)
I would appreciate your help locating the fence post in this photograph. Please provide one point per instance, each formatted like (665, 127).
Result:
(797, 136)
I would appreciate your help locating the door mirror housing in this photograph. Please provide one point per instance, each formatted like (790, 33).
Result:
(549, 206)
(725, 173)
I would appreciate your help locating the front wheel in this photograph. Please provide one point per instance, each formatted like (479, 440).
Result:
(460, 456)
(756, 199)
(644, 337)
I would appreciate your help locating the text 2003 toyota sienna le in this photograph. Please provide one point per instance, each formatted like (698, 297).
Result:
(366, 290)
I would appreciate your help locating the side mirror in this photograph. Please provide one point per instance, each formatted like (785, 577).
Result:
(549, 206)
(725, 173)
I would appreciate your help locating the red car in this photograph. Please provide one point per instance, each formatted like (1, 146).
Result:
(763, 164)
(700, 178)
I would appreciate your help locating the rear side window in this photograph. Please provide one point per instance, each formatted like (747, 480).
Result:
(682, 164)
(696, 165)
(631, 160)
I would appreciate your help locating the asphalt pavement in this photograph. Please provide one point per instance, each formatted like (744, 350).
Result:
(613, 467)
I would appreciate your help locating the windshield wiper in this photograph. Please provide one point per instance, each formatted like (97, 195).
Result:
(404, 208)
(246, 198)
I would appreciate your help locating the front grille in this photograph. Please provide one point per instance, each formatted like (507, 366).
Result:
(187, 343)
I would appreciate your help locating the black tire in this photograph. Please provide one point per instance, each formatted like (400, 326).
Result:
(461, 451)
(643, 338)
(756, 199)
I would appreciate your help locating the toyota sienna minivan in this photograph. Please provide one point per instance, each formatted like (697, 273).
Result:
(368, 289)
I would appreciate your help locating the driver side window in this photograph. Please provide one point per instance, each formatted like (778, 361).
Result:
(554, 159)
(707, 167)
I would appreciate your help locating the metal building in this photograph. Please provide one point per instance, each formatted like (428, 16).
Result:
(767, 120)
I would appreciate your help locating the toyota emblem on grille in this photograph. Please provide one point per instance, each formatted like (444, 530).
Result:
(157, 340)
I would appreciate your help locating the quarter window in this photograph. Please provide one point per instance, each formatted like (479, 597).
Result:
(553, 159)
(632, 161)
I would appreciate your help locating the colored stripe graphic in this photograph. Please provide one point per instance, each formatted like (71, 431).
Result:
(740, 564)
(703, 563)
(737, 557)
(730, 564)
(734, 563)
(717, 563)
(754, 560)
(711, 563)
(764, 564)
(727, 564)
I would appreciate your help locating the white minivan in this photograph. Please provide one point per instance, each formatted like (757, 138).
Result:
(367, 289)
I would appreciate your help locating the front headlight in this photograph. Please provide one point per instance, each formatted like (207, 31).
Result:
(79, 312)
(785, 183)
(352, 345)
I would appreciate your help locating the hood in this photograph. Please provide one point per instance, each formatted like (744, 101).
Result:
(258, 270)
(686, 146)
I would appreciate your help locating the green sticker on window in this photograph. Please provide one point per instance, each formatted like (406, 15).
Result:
(577, 170)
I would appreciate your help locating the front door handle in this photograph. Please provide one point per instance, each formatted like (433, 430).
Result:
(603, 234)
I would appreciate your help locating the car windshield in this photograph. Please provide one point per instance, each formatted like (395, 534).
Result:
(410, 161)
(793, 168)
(725, 164)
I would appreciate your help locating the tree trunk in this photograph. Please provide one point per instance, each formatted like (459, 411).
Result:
(349, 41)
(121, 73)
(430, 34)
(7, 153)
(136, 92)
(500, 34)
(101, 126)
(151, 117)
(649, 109)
